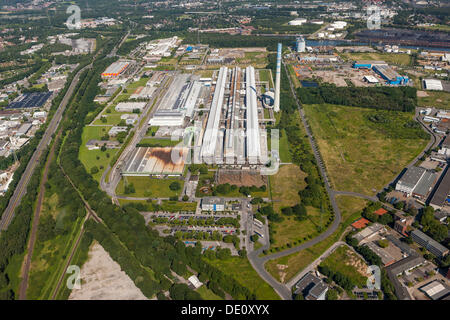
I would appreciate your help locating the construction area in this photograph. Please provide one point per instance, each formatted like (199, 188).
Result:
(103, 279)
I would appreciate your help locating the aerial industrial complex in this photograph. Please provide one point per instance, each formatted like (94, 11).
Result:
(244, 150)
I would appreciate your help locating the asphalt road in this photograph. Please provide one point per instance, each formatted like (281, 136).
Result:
(21, 187)
(258, 262)
(140, 132)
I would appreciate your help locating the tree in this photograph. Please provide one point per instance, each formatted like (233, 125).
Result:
(254, 237)
(299, 296)
(174, 186)
(94, 170)
(129, 188)
(332, 294)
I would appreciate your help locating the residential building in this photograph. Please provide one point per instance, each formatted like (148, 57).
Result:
(430, 244)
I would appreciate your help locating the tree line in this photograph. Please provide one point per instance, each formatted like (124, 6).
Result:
(381, 98)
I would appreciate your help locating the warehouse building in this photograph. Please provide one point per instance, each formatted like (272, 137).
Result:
(209, 152)
(130, 106)
(390, 75)
(410, 179)
(253, 134)
(115, 69)
(428, 243)
(436, 290)
(384, 70)
(366, 64)
(425, 185)
(178, 102)
(156, 161)
(440, 197)
(24, 128)
(432, 84)
(167, 118)
(213, 204)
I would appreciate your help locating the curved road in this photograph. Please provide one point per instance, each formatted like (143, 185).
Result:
(258, 262)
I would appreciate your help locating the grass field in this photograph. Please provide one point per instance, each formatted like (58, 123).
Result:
(111, 119)
(148, 187)
(14, 271)
(285, 186)
(241, 270)
(46, 263)
(291, 230)
(362, 155)
(351, 208)
(348, 263)
(265, 75)
(438, 99)
(89, 157)
(160, 142)
(285, 154)
(393, 58)
(256, 59)
(293, 76)
(207, 294)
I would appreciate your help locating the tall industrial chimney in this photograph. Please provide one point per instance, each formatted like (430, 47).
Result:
(276, 106)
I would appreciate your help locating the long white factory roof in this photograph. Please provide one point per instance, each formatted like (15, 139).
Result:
(212, 127)
(189, 105)
(253, 136)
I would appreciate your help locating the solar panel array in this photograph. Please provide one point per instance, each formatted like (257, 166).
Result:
(30, 100)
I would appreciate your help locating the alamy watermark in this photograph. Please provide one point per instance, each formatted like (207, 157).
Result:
(74, 20)
(373, 17)
(74, 280)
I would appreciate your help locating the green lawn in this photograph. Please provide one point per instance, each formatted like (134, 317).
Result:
(207, 294)
(348, 263)
(150, 187)
(291, 231)
(89, 157)
(351, 208)
(285, 186)
(438, 99)
(14, 272)
(241, 270)
(112, 119)
(265, 75)
(360, 154)
(48, 256)
(285, 154)
(257, 59)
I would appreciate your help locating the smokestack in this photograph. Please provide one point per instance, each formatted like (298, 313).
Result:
(276, 106)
